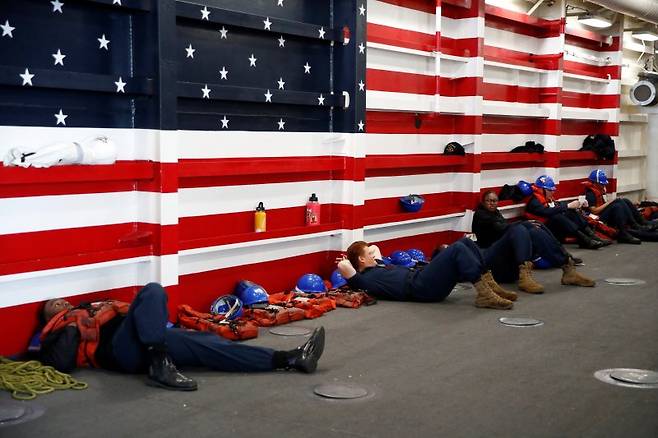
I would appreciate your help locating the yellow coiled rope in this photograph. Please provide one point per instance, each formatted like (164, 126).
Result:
(26, 380)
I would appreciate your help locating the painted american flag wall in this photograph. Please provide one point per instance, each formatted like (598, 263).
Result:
(217, 105)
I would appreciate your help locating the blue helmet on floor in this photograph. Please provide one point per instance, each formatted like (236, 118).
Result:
(401, 258)
(416, 255)
(311, 284)
(387, 261)
(337, 280)
(545, 182)
(542, 263)
(228, 305)
(525, 187)
(598, 176)
(250, 293)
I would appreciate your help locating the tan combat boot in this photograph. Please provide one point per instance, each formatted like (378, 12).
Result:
(526, 282)
(487, 298)
(571, 276)
(497, 289)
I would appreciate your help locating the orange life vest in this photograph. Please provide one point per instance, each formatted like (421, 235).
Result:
(313, 305)
(598, 193)
(352, 299)
(88, 320)
(538, 193)
(235, 330)
(273, 315)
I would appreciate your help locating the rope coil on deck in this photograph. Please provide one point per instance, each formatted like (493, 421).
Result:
(26, 380)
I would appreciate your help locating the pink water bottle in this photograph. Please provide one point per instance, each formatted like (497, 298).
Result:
(313, 211)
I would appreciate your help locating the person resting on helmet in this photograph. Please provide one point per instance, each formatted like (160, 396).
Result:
(522, 242)
(133, 338)
(619, 213)
(363, 268)
(562, 218)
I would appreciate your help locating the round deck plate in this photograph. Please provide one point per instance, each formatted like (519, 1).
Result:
(520, 322)
(290, 331)
(18, 412)
(624, 376)
(639, 377)
(340, 391)
(625, 281)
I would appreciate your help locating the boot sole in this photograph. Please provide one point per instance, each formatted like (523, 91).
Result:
(496, 307)
(156, 384)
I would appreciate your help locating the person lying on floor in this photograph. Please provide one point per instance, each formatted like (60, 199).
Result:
(462, 261)
(522, 242)
(133, 338)
(562, 218)
(619, 213)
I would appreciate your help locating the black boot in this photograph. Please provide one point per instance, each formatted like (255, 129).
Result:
(623, 236)
(585, 241)
(644, 236)
(163, 373)
(305, 358)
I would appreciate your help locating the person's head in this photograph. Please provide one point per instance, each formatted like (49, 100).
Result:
(361, 256)
(546, 183)
(599, 178)
(490, 200)
(53, 307)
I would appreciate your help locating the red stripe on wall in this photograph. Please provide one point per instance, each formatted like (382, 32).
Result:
(415, 164)
(222, 229)
(580, 68)
(519, 125)
(574, 187)
(588, 127)
(524, 24)
(200, 289)
(590, 40)
(392, 81)
(515, 93)
(385, 210)
(465, 47)
(425, 242)
(392, 36)
(458, 9)
(507, 56)
(587, 100)
(404, 123)
(35, 251)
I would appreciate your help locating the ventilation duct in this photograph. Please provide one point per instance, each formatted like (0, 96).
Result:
(644, 92)
(646, 10)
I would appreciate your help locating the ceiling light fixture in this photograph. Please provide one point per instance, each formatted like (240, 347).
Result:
(594, 21)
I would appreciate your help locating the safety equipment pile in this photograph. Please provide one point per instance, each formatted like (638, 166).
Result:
(26, 380)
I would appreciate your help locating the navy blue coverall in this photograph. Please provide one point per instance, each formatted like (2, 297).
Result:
(461, 261)
(562, 221)
(124, 340)
(619, 214)
(520, 241)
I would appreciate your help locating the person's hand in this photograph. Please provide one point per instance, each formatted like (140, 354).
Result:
(573, 205)
(340, 258)
(584, 204)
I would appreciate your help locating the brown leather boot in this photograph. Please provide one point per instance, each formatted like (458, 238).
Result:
(497, 289)
(526, 282)
(571, 276)
(487, 298)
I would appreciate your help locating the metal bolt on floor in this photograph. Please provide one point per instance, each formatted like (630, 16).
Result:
(520, 322)
(290, 331)
(19, 412)
(629, 377)
(342, 391)
(625, 281)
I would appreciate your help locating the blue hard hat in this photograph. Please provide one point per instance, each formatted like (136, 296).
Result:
(250, 293)
(401, 258)
(598, 176)
(337, 280)
(311, 283)
(387, 261)
(416, 255)
(525, 187)
(412, 203)
(545, 182)
(228, 305)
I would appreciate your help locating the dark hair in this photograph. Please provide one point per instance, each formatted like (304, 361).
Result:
(354, 251)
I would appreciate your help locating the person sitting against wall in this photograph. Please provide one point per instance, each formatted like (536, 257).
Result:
(619, 213)
(562, 218)
(133, 338)
(462, 261)
(522, 242)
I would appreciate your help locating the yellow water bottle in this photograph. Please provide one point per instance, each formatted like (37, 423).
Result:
(259, 219)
